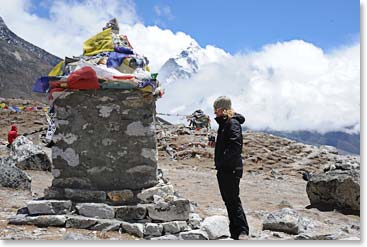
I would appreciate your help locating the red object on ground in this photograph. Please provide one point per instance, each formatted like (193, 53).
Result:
(84, 78)
(12, 134)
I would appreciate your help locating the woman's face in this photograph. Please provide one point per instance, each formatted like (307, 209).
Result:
(218, 112)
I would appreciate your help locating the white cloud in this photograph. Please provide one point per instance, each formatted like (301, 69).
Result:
(286, 86)
(163, 11)
(73, 22)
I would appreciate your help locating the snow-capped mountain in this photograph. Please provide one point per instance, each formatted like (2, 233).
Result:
(188, 62)
(196, 76)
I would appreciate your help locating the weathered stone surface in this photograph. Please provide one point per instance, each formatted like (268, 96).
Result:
(80, 222)
(85, 195)
(48, 207)
(19, 219)
(48, 220)
(318, 236)
(194, 235)
(136, 229)
(76, 236)
(195, 220)
(96, 210)
(174, 210)
(286, 220)
(125, 158)
(336, 188)
(121, 197)
(106, 225)
(29, 156)
(153, 229)
(166, 237)
(174, 227)
(216, 227)
(41, 221)
(137, 212)
(146, 195)
(13, 177)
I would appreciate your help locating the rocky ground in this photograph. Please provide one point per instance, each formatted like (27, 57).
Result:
(272, 180)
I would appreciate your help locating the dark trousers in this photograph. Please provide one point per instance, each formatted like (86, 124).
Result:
(229, 189)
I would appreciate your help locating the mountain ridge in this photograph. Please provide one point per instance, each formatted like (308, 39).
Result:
(21, 64)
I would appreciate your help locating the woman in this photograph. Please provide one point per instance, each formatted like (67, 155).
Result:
(228, 162)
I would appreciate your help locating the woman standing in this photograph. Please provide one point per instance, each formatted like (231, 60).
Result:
(228, 162)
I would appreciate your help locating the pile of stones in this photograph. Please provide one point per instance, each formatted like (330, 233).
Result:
(160, 215)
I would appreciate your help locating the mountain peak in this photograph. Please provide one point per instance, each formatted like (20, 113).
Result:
(2, 23)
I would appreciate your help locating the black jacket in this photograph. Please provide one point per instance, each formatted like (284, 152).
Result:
(229, 143)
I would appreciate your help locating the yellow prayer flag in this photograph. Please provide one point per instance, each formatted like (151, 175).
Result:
(57, 70)
(98, 43)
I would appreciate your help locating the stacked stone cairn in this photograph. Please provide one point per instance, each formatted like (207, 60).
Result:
(105, 173)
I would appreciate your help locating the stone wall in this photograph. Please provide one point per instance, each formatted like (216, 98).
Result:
(105, 145)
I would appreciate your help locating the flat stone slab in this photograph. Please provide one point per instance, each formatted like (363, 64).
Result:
(194, 235)
(80, 222)
(85, 195)
(130, 212)
(166, 237)
(175, 227)
(153, 229)
(106, 225)
(41, 221)
(48, 207)
(136, 229)
(216, 226)
(96, 210)
(171, 211)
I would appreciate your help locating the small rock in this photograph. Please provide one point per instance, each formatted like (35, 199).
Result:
(194, 235)
(194, 220)
(216, 227)
(166, 237)
(136, 229)
(174, 226)
(153, 229)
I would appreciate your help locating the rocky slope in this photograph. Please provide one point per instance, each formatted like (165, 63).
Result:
(21, 64)
(273, 191)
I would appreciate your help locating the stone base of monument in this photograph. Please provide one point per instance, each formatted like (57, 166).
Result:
(159, 215)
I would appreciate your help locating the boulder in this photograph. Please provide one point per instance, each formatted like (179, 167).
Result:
(216, 227)
(29, 156)
(174, 210)
(13, 177)
(286, 220)
(335, 188)
(48, 207)
(96, 210)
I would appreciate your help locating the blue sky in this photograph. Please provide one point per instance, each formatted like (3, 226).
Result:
(249, 24)
(243, 25)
